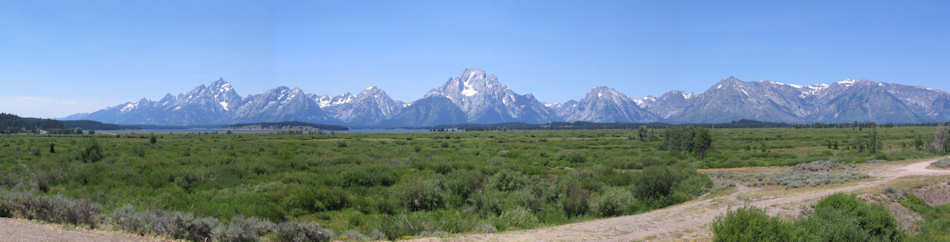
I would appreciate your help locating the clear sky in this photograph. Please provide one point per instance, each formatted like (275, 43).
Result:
(63, 57)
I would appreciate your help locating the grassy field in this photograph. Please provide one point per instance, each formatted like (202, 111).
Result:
(405, 184)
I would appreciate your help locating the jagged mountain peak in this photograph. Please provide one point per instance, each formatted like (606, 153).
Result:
(678, 94)
(371, 90)
(484, 99)
(604, 104)
(221, 83)
(731, 79)
(474, 74)
(471, 82)
(605, 92)
(853, 82)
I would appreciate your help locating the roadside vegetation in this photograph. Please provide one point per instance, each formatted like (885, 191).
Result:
(392, 186)
(838, 217)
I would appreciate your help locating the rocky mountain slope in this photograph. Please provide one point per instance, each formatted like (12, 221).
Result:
(475, 96)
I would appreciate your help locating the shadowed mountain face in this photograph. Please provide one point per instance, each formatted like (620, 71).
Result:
(606, 105)
(477, 97)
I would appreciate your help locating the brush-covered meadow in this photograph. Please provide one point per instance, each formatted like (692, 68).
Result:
(394, 185)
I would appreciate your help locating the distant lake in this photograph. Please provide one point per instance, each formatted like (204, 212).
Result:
(217, 130)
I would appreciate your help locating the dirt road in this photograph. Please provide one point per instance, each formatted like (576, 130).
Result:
(691, 220)
(15, 230)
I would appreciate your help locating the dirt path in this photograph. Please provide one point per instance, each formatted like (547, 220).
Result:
(25, 230)
(691, 220)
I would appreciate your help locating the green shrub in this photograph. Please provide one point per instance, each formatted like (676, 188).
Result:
(874, 220)
(517, 217)
(655, 183)
(422, 194)
(831, 225)
(838, 217)
(490, 202)
(401, 225)
(749, 224)
(575, 201)
(612, 202)
(369, 176)
(576, 158)
(330, 199)
(92, 152)
(507, 181)
(463, 182)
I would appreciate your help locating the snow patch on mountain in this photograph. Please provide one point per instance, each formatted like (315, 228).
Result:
(128, 107)
(847, 83)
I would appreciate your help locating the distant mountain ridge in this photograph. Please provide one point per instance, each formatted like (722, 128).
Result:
(476, 97)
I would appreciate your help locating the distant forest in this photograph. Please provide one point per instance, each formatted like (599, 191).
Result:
(286, 125)
(10, 123)
(735, 124)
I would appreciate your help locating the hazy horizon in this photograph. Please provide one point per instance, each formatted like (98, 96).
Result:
(73, 57)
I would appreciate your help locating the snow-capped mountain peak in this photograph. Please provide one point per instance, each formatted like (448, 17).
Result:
(474, 96)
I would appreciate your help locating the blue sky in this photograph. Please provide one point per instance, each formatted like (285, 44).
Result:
(63, 57)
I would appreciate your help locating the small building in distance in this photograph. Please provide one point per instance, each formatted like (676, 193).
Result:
(448, 130)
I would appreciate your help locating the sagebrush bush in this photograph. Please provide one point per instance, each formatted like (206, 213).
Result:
(244, 229)
(171, 224)
(130, 220)
(301, 232)
(82, 211)
(943, 163)
(55, 209)
(202, 229)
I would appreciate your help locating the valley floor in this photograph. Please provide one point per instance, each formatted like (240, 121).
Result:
(688, 221)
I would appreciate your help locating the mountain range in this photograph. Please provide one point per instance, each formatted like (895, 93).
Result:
(477, 97)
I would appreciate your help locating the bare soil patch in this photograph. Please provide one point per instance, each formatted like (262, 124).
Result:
(25, 230)
(935, 194)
